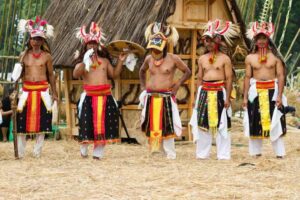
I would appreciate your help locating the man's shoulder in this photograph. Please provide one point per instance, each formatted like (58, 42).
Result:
(47, 55)
(147, 58)
(250, 56)
(225, 56)
(173, 56)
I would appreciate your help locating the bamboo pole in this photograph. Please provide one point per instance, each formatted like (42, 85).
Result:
(2, 20)
(285, 25)
(292, 44)
(11, 38)
(4, 71)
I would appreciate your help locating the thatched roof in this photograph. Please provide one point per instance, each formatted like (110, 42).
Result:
(119, 19)
(237, 18)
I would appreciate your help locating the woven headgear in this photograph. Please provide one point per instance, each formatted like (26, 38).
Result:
(36, 28)
(256, 28)
(158, 36)
(227, 30)
(95, 34)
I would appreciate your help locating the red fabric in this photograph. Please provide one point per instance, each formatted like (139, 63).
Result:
(33, 118)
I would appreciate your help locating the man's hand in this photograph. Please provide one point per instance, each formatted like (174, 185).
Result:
(123, 56)
(279, 102)
(175, 88)
(227, 103)
(245, 104)
(54, 97)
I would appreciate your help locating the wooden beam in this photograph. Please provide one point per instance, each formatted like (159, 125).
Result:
(67, 101)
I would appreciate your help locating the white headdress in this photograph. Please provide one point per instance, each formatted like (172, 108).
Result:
(228, 30)
(95, 34)
(36, 28)
(255, 28)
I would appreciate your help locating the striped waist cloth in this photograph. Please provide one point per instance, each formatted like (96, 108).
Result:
(97, 90)
(213, 86)
(35, 86)
(265, 84)
(160, 93)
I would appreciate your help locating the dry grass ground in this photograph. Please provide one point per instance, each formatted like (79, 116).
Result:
(128, 172)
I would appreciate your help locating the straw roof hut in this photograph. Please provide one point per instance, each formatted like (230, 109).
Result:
(127, 20)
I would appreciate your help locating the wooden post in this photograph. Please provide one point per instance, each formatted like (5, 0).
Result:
(192, 80)
(67, 101)
(14, 117)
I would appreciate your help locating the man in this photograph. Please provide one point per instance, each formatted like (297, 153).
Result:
(160, 116)
(98, 111)
(34, 112)
(211, 113)
(263, 91)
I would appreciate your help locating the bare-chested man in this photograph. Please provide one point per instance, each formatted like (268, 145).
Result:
(98, 112)
(212, 102)
(263, 92)
(34, 114)
(160, 117)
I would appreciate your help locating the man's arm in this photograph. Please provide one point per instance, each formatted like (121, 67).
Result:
(248, 75)
(228, 80)
(200, 73)
(79, 70)
(142, 72)
(114, 72)
(51, 77)
(184, 68)
(280, 76)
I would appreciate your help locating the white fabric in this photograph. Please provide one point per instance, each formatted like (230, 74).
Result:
(223, 130)
(176, 119)
(45, 96)
(17, 71)
(1, 119)
(37, 147)
(54, 113)
(21, 145)
(87, 59)
(175, 112)
(47, 99)
(131, 61)
(276, 128)
(82, 97)
(246, 124)
(204, 143)
(98, 150)
(255, 147)
(278, 147)
(169, 148)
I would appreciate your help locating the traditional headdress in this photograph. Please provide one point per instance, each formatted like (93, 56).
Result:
(36, 28)
(256, 28)
(157, 35)
(265, 28)
(95, 34)
(228, 31)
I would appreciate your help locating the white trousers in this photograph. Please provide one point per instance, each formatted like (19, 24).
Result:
(255, 147)
(169, 148)
(97, 152)
(203, 146)
(37, 147)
